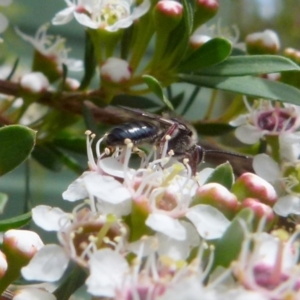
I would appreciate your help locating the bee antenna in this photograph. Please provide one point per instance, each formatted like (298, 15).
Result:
(227, 152)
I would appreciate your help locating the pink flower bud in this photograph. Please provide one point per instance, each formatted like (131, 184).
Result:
(253, 186)
(166, 15)
(217, 196)
(266, 42)
(115, 70)
(3, 264)
(24, 243)
(260, 209)
(35, 82)
(205, 10)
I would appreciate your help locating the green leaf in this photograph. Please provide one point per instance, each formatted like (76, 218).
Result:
(16, 144)
(3, 201)
(223, 174)
(15, 222)
(250, 65)
(213, 129)
(247, 85)
(71, 143)
(133, 101)
(229, 246)
(48, 158)
(188, 15)
(156, 88)
(210, 53)
(89, 63)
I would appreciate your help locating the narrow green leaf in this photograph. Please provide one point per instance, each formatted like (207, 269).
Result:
(211, 53)
(213, 129)
(188, 14)
(15, 222)
(89, 63)
(250, 65)
(247, 85)
(223, 174)
(16, 144)
(48, 158)
(71, 143)
(133, 101)
(3, 201)
(156, 88)
(13, 70)
(229, 246)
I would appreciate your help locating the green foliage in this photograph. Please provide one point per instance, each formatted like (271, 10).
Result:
(223, 174)
(16, 144)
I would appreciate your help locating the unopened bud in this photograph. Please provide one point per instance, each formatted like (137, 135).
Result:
(167, 15)
(3, 264)
(266, 42)
(35, 82)
(115, 70)
(24, 243)
(249, 185)
(217, 196)
(292, 54)
(204, 11)
(260, 210)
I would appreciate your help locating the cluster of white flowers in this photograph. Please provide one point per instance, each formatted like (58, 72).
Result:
(279, 123)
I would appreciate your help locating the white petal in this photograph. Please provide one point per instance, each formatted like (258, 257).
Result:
(85, 20)
(48, 264)
(240, 120)
(119, 210)
(33, 294)
(3, 23)
(266, 167)
(107, 271)
(111, 166)
(166, 225)
(209, 222)
(49, 218)
(248, 134)
(287, 205)
(64, 16)
(106, 188)
(76, 190)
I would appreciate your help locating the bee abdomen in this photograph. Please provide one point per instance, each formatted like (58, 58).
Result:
(137, 132)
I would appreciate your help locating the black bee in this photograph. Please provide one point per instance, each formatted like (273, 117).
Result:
(149, 128)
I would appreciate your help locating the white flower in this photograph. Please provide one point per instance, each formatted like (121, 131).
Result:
(52, 47)
(264, 119)
(268, 264)
(110, 15)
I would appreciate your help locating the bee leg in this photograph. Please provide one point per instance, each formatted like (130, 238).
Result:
(195, 156)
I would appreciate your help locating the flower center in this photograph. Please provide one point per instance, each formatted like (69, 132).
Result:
(276, 120)
(113, 12)
(291, 178)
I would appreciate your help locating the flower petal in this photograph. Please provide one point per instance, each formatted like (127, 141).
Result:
(287, 205)
(248, 134)
(209, 222)
(48, 264)
(166, 225)
(106, 188)
(107, 270)
(33, 294)
(85, 20)
(64, 16)
(76, 190)
(49, 218)
(266, 167)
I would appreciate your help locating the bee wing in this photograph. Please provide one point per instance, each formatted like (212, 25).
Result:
(148, 116)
